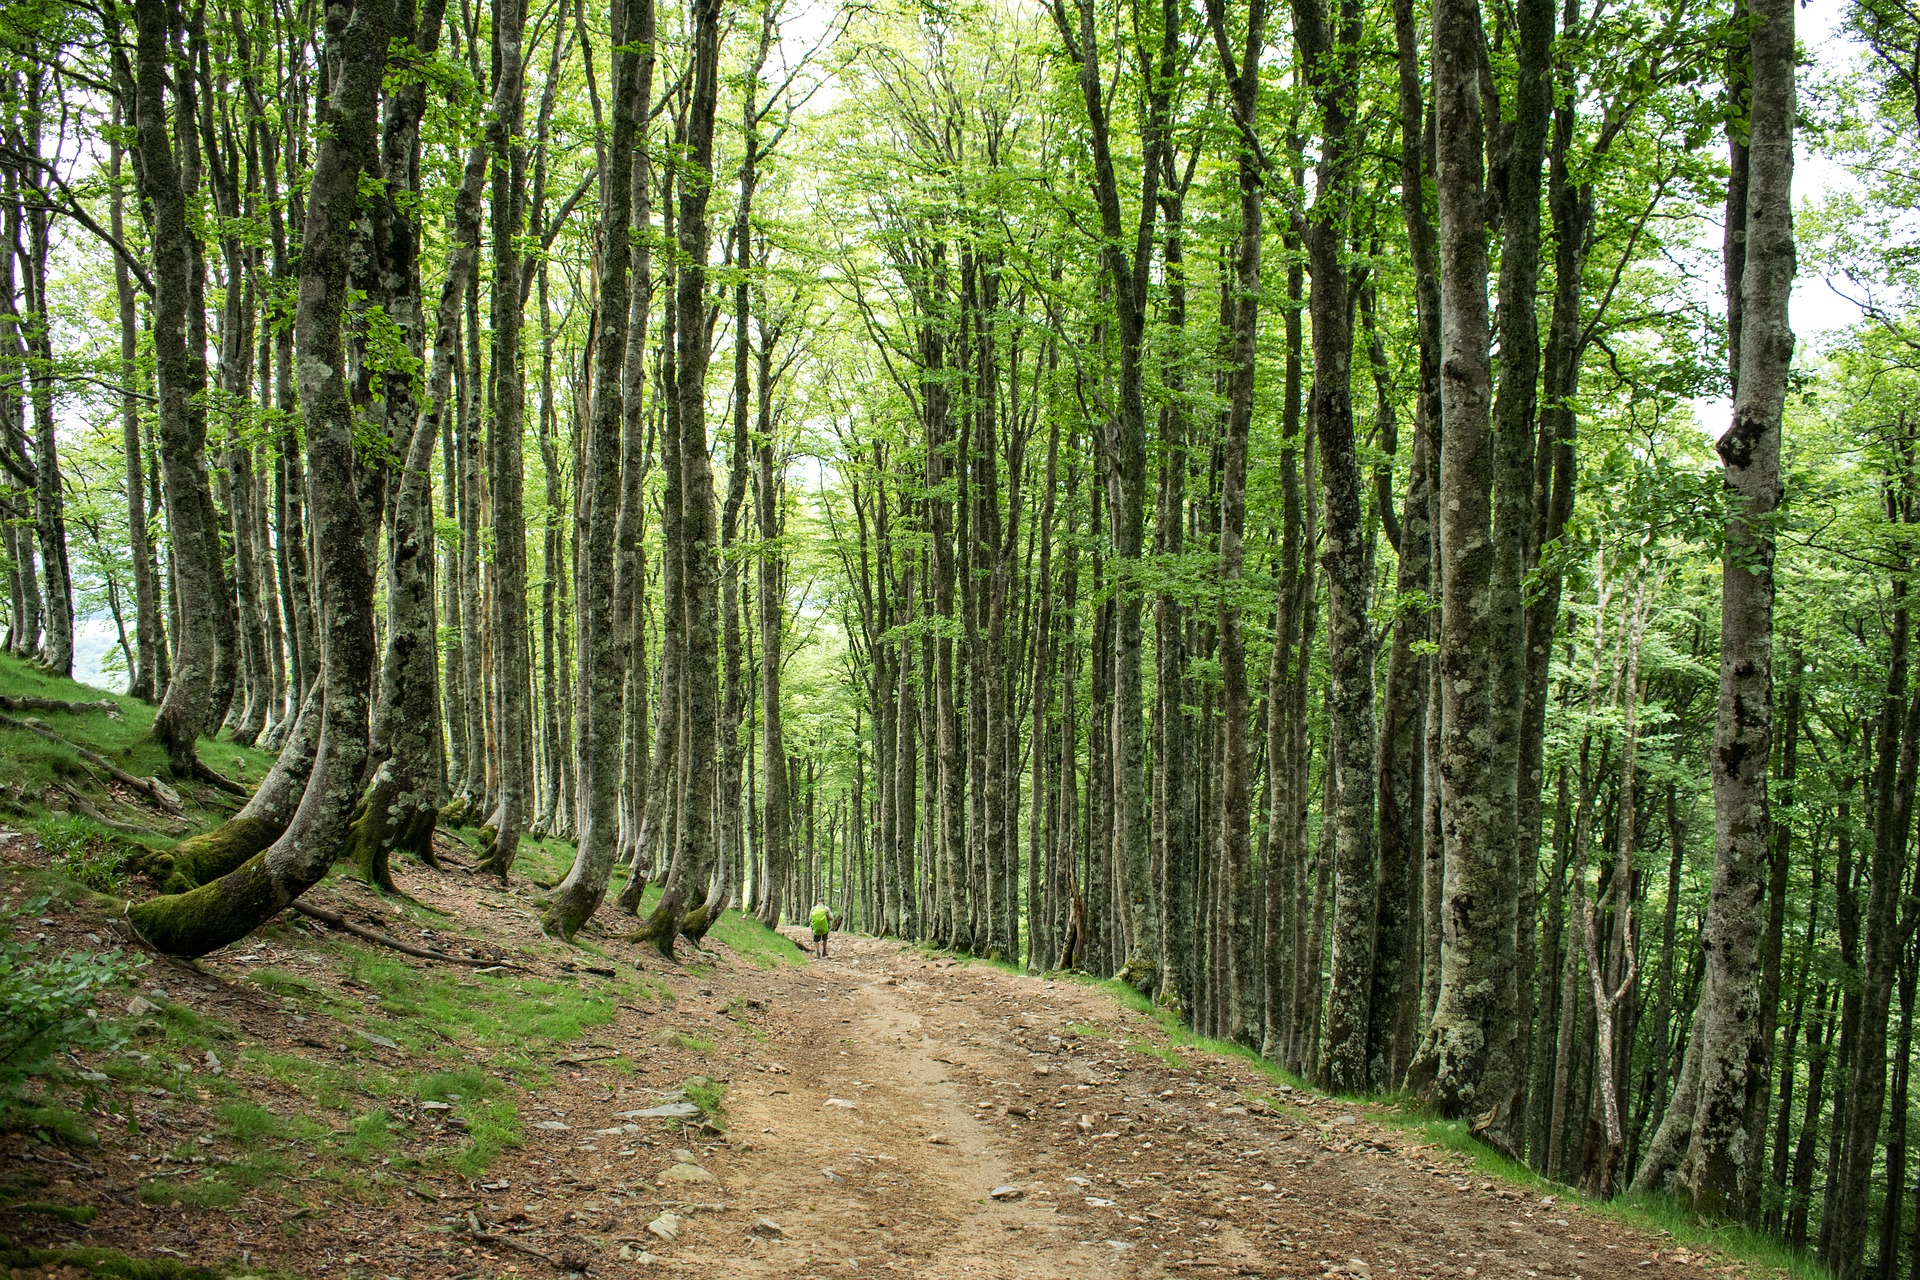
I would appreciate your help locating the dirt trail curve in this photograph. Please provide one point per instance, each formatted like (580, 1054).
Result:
(895, 1094)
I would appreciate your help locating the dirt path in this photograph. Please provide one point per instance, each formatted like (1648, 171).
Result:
(887, 1113)
(894, 1094)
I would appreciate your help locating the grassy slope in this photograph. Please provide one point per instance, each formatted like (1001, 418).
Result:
(289, 1122)
(33, 766)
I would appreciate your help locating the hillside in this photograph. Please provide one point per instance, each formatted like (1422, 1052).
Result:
(312, 1104)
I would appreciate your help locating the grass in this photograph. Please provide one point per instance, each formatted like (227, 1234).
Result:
(427, 1009)
(708, 1095)
(34, 764)
(482, 1106)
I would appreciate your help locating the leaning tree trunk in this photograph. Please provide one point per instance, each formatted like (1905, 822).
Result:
(227, 909)
(204, 858)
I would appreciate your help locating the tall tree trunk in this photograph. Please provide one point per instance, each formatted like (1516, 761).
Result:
(1467, 1063)
(1242, 69)
(1713, 1175)
(1332, 54)
(1126, 261)
(49, 497)
(598, 722)
(149, 632)
(506, 443)
(686, 885)
(229, 908)
(181, 374)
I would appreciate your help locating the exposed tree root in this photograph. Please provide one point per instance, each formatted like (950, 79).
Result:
(217, 780)
(152, 788)
(335, 920)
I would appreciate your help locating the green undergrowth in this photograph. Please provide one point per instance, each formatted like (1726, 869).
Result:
(110, 1264)
(32, 766)
(738, 931)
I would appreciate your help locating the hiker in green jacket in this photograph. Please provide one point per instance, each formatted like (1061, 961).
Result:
(822, 926)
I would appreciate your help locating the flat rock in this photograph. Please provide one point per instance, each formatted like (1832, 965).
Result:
(551, 1126)
(767, 1227)
(687, 1173)
(140, 1007)
(666, 1226)
(1007, 1192)
(667, 1111)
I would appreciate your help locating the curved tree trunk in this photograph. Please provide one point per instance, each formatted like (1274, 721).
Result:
(227, 909)
(206, 857)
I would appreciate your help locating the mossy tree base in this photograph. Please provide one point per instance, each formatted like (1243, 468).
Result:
(1138, 974)
(205, 919)
(662, 928)
(204, 858)
(633, 891)
(699, 920)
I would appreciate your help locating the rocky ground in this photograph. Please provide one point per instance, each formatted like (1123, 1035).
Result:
(307, 1104)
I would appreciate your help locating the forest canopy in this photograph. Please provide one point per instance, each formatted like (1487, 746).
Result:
(1317, 511)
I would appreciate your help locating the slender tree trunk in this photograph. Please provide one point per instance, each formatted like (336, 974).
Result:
(687, 882)
(149, 632)
(181, 375)
(506, 443)
(1466, 1065)
(1713, 1175)
(598, 721)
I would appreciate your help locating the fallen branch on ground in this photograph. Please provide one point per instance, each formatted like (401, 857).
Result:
(154, 789)
(87, 809)
(340, 922)
(9, 703)
(483, 1237)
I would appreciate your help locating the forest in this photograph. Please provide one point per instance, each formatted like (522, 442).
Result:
(1317, 510)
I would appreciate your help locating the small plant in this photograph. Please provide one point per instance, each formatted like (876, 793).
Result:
(45, 1005)
(705, 1094)
(81, 851)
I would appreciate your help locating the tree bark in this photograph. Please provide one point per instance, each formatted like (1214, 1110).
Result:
(181, 375)
(229, 908)
(687, 881)
(1713, 1175)
(506, 443)
(598, 721)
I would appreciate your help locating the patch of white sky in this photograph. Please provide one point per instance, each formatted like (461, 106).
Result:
(1820, 305)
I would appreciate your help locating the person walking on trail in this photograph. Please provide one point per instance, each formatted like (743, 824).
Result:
(822, 926)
